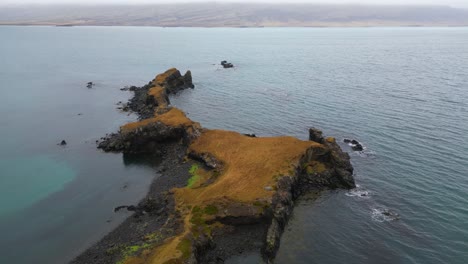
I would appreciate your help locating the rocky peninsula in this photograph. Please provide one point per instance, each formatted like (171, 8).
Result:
(219, 193)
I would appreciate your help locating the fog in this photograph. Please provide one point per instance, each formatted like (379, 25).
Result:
(453, 3)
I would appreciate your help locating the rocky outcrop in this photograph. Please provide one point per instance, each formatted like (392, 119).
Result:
(227, 65)
(238, 181)
(327, 167)
(153, 107)
(315, 135)
(355, 145)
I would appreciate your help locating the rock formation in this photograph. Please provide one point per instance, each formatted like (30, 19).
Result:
(227, 65)
(355, 145)
(237, 181)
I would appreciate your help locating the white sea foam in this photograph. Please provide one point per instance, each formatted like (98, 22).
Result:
(384, 215)
(359, 193)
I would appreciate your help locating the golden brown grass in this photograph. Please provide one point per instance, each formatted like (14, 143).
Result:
(251, 164)
(161, 78)
(174, 117)
(159, 95)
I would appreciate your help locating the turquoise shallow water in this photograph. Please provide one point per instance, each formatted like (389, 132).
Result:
(42, 176)
(402, 92)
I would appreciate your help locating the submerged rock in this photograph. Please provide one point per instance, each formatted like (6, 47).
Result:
(62, 143)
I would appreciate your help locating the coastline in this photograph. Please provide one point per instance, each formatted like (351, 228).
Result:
(345, 25)
(172, 224)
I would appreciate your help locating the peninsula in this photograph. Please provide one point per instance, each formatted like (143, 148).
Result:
(220, 193)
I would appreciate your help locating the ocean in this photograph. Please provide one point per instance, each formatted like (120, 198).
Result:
(402, 92)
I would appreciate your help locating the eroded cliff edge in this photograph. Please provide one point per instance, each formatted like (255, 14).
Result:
(230, 193)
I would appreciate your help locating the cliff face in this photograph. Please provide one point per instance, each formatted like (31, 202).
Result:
(236, 181)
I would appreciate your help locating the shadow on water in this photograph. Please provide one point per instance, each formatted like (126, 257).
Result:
(140, 159)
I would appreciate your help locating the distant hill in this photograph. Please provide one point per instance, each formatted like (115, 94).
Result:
(234, 15)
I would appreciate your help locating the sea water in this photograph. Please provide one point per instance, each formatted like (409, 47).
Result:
(402, 92)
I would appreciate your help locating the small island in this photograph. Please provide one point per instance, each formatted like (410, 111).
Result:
(220, 193)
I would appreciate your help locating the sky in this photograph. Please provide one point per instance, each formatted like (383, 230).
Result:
(453, 3)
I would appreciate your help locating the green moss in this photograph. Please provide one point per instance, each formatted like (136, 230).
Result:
(185, 246)
(211, 210)
(196, 209)
(315, 167)
(193, 169)
(154, 237)
(257, 203)
(199, 225)
(115, 249)
(197, 216)
(195, 177)
(132, 250)
(216, 173)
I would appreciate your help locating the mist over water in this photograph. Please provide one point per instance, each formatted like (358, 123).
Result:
(402, 92)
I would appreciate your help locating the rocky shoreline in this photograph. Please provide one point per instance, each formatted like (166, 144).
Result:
(219, 193)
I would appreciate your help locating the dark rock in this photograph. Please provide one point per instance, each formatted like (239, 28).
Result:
(391, 214)
(63, 143)
(118, 208)
(250, 135)
(143, 140)
(357, 147)
(315, 135)
(90, 85)
(131, 88)
(188, 80)
(226, 64)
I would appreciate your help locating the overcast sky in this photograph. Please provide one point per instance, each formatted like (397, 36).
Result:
(454, 3)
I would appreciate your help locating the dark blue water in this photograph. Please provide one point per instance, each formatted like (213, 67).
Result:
(403, 92)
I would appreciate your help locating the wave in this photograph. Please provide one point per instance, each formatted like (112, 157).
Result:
(358, 192)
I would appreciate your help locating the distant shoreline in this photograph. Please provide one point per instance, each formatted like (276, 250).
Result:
(235, 15)
(223, 26)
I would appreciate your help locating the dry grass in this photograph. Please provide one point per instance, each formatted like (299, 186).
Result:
(251, 164)
(159, 95)
(174, 250)
(174, 117)
(161, 78)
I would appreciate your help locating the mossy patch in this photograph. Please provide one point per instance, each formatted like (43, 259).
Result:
(211, 210)
(194, 176)
(315, 167)
(132, 250)
(185, 246)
